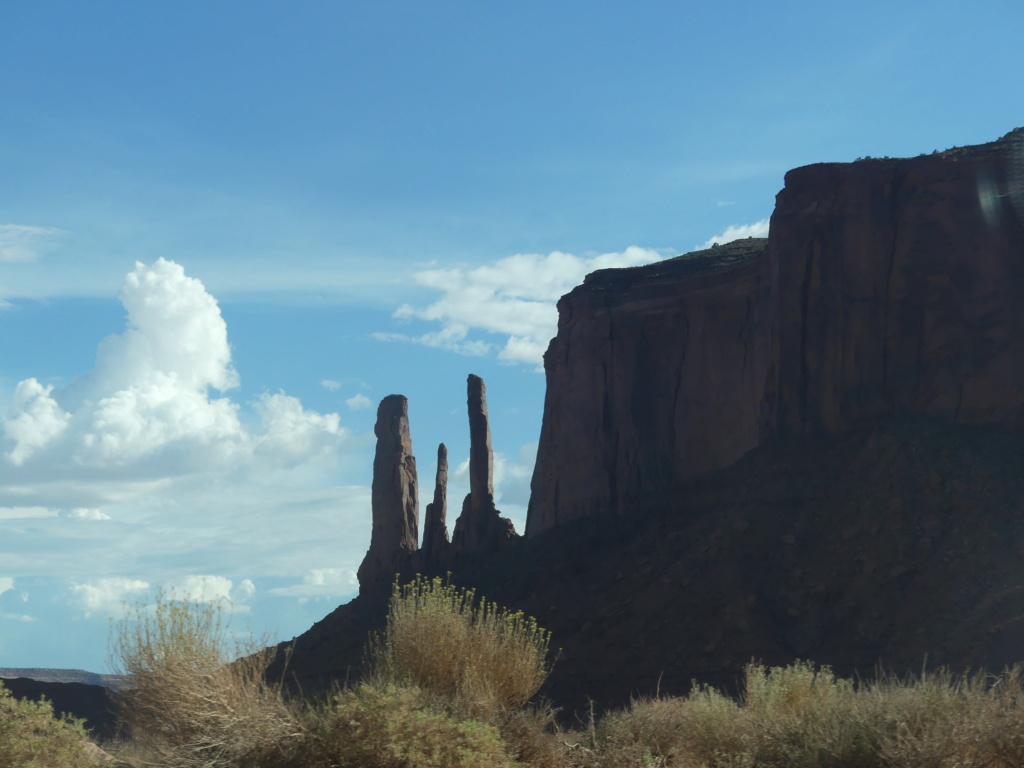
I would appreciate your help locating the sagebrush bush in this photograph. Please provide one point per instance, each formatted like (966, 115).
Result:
(187, 701)
(480, 656)
(400, 727)
(804, 717)
(32, 736)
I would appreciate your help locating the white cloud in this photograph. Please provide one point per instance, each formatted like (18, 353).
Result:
(330, 384)
(245, 590)
(359, 403)
(202, 589)
(21, 513)
(145, 410)
(34, 420)
(322, 582)
(292, 434)
(24, 617)
(19, 242)
(6, 584)
(738, 232)
(515, 297)
(107, 596)
(83, 513)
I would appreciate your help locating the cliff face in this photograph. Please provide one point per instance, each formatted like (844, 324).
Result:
(655, 377)
(887, 287)
(899, 288)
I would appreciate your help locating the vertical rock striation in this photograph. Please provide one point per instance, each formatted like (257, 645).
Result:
(435, 530)
(480, 526)
(395, 503)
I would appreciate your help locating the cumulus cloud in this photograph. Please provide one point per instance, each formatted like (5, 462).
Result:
(321, 582)
(513, 298)
(290, 432)
(737, 232)
(146, 409)
(24, 617)
(107, 596)
(207, 588)
(19, 242)
(359, 403)
(35, 419)
(330, 384)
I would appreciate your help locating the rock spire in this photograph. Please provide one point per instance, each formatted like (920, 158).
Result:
(480, 525)
(435, 532)
(394, 501)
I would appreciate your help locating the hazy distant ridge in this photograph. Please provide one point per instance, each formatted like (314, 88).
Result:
(114, 682)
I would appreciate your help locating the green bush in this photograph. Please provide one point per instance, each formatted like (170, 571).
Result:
(484, 659)
(31, 736)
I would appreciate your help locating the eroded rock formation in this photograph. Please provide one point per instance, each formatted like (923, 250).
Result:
(887, 288)
(480, 526)
(435, 530)
(395, 500)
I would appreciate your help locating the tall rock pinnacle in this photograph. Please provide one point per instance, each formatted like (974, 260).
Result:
(481, 457)
(394, 496)
(480, 526)
(435, 532)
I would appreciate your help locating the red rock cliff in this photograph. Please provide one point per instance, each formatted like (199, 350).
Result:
(656, 376)
(899, 287)
(887, 287)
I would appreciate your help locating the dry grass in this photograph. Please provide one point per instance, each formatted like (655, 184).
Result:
(186, 703)
(483, 658)
(399, 727)
(802, 716)
(450, 685)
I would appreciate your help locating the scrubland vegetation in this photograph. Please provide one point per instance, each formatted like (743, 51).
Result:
(450, 683)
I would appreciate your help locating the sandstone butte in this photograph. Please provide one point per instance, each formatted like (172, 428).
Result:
(808, 446)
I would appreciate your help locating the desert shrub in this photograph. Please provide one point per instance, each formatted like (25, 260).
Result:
(186, 702)
(31, 736)
(482, 658)
(1001, 722)
(938, 720)
(648, 732)
(532, 737)
(393, 726)
(804, 717)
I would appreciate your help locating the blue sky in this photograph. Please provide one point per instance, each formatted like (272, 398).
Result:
(228, 229)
